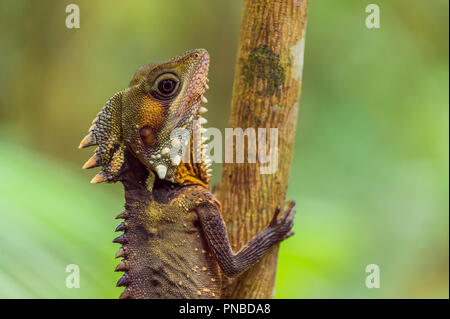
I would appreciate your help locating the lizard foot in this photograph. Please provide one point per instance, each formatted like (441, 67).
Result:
(281, 228)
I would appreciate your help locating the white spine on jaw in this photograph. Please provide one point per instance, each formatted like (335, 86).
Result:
(176, 160)
(161, 170)
(165, 151)
(176, 142)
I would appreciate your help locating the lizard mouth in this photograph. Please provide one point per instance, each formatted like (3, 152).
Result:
(198, 86)
(198, 145)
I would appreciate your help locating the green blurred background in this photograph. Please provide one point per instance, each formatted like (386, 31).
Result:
(370, 167)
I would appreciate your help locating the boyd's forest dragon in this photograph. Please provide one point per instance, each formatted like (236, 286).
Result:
(149, 137)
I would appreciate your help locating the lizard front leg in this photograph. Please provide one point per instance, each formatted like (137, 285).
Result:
(232, 264)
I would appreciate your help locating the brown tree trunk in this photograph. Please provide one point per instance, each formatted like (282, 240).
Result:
(265, 95)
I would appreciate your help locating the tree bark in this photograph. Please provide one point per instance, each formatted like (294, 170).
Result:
(265, 95)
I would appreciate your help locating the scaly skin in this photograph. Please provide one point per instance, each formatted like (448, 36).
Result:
(175, 243)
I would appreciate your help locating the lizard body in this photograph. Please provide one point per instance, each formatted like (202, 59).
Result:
(174, 243)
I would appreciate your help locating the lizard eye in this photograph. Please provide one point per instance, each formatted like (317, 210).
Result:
(166, 86)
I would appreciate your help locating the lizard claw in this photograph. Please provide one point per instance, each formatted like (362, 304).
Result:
(290, 212)
(282, 228)
(274, 220)
(291, 233)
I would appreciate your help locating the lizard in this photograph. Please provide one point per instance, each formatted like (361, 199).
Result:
(174, 242)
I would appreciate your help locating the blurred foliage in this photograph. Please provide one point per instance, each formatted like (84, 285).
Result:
(370, 168)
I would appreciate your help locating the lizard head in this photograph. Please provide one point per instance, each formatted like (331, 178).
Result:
(154, 118)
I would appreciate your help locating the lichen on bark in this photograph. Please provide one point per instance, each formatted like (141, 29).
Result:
(264, 64)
